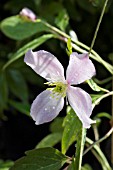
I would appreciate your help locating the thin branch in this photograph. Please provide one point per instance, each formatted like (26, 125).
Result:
(98, 25)
(102, 97)
(112, 125)
(99, 141)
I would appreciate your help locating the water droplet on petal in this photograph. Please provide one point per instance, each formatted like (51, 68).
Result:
(45, 109)
(53, 107)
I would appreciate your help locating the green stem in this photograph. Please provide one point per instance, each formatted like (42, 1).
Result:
(96, 57)
(112, 126)
(98, 25)
(99, 159)
(79, 149)
(96, 133)
(104, 81)
(99, 154)
(99, 141)
(77, 45)
(102, 97)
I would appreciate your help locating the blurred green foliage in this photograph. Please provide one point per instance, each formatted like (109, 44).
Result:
(5, 165)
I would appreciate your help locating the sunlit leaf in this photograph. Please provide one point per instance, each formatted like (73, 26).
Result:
(18, 28)
(95, 87)
(72, 128)
(41, 159)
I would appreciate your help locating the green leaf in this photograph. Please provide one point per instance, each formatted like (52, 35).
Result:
(31, 45)
(69, 47)
(95, 87)
(98, 99)
(72, 127)
(17, 28)
(56, 125)
(21, 107)
(41, 159)
(5, 165)
(50, 140)
(3, 91)
(17, 84)
(62, 20)
(86, 167)
(95, 97)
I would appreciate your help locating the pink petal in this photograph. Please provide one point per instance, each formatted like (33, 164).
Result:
(26, 12)
(81, 103)
(46, 107)
(80, 68)
(45, 64)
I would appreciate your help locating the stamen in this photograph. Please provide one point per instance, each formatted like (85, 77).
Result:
(60, 88)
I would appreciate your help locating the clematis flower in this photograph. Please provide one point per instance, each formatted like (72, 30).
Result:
(50, 102)
(28, 14)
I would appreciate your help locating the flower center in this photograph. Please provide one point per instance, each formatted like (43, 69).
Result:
(60, 88)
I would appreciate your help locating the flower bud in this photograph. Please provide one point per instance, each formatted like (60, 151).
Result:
(27, 14)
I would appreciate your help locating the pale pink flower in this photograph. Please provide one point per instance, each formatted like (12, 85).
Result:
(50, 102)
(27, 13)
